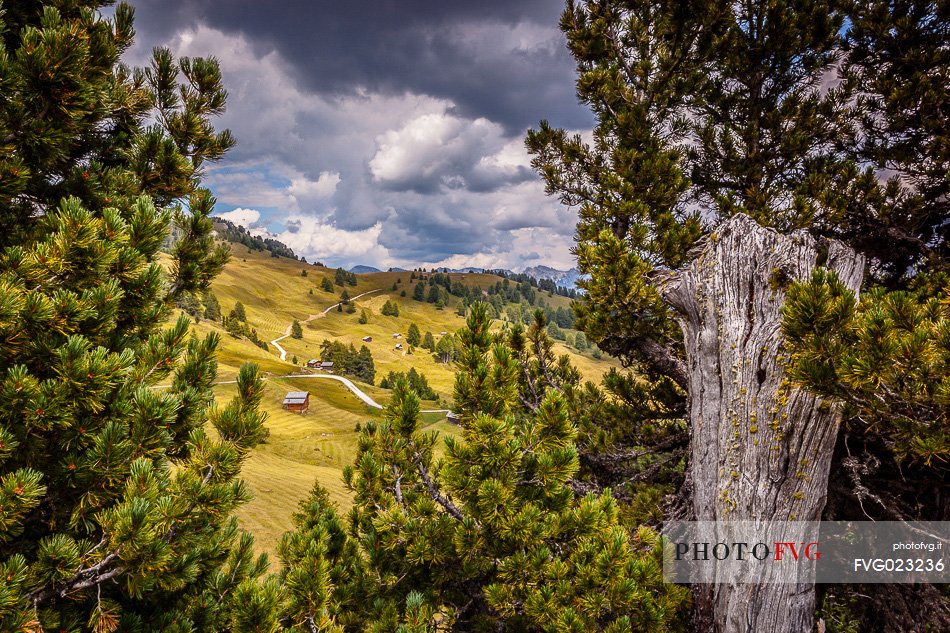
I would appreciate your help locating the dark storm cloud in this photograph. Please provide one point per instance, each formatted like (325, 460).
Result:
(385, 133)
(426, 234)
(499, 59)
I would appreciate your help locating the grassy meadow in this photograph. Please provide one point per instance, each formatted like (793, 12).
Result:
(317, 445)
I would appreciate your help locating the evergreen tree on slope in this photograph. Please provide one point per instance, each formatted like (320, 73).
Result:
(115, 496)
(728, 108)
(484, 539)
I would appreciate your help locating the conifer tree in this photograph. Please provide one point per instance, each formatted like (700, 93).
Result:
(413, 337)
(580, 342)
(419, 292)
(115, 493)
(296, 330)
(364, 317)
(326, 285)
(480, 540)
(445, 349)
(324, 584)
(365, 368)
(706, 111)
(428, 341)
(212, 309)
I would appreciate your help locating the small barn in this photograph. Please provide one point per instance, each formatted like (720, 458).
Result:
(453, 418)
(367, 339)
(399, 346)
(327, 366)
(313, 363)
(297, 401)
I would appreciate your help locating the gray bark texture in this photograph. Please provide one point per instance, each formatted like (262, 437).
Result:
(760, 448)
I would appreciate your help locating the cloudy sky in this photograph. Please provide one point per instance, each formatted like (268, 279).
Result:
(385, 132)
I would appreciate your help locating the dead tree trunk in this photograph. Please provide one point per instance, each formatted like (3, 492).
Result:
(760, 448)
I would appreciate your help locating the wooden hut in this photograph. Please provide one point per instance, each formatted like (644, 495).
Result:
(297, 401)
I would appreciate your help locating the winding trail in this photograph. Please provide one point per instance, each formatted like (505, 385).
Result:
(319, 315)
(356, 390)
(359, 393)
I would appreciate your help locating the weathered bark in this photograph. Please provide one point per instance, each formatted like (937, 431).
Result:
(760, 449)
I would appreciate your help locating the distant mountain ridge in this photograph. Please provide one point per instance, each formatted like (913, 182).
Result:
(470, 269)
(563, 278)
(360, 269)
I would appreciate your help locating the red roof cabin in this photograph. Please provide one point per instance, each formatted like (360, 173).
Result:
(297, 401)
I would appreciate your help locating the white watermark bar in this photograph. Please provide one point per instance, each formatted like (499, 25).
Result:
(794, 552)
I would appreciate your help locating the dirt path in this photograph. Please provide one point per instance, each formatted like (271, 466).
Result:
(359, 393)
(319, 315)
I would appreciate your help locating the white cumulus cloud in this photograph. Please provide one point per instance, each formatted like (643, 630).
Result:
(317, 240)
(247, 218)
(440, 149)
(322, 187)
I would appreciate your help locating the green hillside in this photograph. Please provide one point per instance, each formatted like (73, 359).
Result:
(318, 444)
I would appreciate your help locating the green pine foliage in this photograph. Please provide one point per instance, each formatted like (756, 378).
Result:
(428, 341)
(115, 493)
(323, 577)
(326, 285)
(447, 349)
(347, 359)
(887, 357)
(212, 309)
(296, 330)
(580, 342)
(419, 292)
(413, 336)
(415, 380)
(364, 317)
(484, 539)
(704, 110)
(390, 308)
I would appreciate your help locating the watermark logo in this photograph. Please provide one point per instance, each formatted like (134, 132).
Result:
(739, 551)
(754, 552)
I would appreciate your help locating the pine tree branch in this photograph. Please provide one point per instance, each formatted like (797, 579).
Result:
(397, 487)
(663, 359)
(81, 580)
(91, 576)
(174, 528)
(433, 491)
